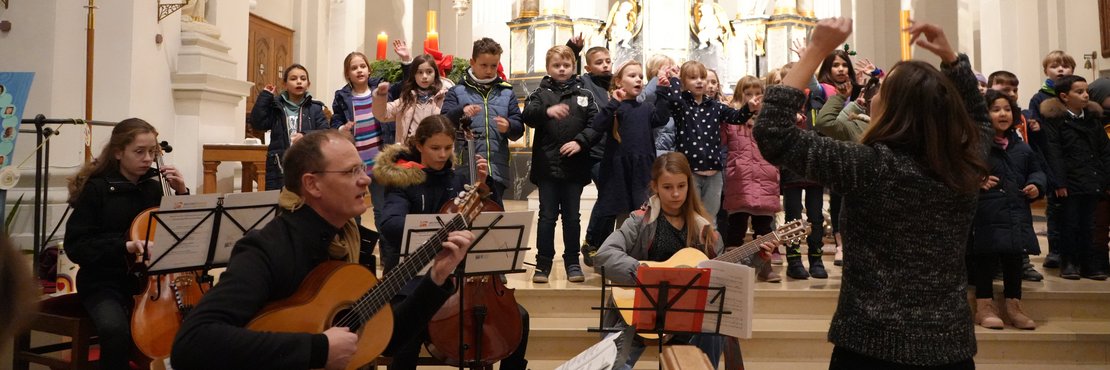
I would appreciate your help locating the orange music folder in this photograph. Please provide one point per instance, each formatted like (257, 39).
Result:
(691, 299)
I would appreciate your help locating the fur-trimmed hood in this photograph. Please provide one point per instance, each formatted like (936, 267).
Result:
(395, 166)
(1054, 108)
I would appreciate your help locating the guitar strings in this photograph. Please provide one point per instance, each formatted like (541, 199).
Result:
(375, 299)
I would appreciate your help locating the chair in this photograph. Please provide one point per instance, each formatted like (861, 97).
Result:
(62, 315)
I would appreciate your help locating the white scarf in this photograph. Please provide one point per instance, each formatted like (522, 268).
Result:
(476, 79)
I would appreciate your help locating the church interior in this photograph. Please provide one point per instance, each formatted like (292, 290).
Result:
(194, 69)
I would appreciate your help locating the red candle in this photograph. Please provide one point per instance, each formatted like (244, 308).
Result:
(433, 40)
(382, 40)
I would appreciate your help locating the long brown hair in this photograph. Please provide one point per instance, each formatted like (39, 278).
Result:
(122, 135)
(675, 163)
(428, 127)
(409, 86)
(922, 114)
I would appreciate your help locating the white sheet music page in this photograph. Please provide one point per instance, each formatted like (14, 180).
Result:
(261, 213)
(599, 356)
(739, 283)
(193, 249)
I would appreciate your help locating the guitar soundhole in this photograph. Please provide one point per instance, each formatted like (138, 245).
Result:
(348, 318)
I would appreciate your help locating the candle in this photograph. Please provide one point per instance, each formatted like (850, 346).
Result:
(433, 40)
(431, 21)
(382, 39)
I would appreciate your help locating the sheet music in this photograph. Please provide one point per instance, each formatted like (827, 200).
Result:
(193, 248)
(257, 217)
(739, 283)
(509, 233)
(600, 356)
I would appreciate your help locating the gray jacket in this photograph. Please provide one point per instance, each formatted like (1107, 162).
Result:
(623, 250)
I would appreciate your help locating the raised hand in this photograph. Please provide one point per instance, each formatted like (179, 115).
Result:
(578, 41)
(619, 94)
(863, 65)
(845, 89)
(382, 90)
(270, 88)
(755, 103)
(798, 46)
(402, 49)
(829, 34)
(935, 41)
(558, 111)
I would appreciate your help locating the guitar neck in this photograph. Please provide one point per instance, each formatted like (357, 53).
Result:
(748, 249)
(371, 302)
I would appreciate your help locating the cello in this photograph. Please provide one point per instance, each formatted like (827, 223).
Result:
(166, 298)
(480, 323)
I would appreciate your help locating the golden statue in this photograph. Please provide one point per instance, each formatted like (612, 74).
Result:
(623, 23)
(709, 24)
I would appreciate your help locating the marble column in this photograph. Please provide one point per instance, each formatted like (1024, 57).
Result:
(666, 29)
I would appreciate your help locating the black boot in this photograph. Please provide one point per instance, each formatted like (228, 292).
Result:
(817, 267)
(1068, 269)
(1092, 270)
(794, 267)
(1028, 273)
(1051, 261)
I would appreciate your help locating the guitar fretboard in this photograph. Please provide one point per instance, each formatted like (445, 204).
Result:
(371, 302)
(748, 249)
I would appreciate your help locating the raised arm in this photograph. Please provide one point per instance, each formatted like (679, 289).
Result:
(846, 167)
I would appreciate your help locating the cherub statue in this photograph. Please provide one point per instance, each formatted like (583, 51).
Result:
(193, 11)
(709, 24)
(623, 23)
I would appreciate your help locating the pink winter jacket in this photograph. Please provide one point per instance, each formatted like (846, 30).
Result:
(751, 183)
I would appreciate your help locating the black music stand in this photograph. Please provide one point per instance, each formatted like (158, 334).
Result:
(491, 257)
(228, 223)
(667, 292)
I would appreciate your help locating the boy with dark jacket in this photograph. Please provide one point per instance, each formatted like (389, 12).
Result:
(558, 111)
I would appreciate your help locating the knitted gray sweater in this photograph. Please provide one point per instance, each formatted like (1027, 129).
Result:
(903, 297)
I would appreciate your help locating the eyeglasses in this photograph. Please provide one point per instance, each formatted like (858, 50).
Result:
(355, 171)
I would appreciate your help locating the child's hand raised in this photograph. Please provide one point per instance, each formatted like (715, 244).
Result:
(270, 88)
(619, 94)
(502, 124)
(829, 34)
(755, 104)
(578, 41)
(472, 110)
(402, 49)
(570, 148)
(558, 111)
(845, 89)
(934, 41)
(382, 90)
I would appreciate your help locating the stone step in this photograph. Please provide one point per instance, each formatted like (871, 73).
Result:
(804, 339)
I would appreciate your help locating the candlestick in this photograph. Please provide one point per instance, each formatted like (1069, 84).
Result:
(382, 40)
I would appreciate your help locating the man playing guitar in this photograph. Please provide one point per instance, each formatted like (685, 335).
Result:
(324, 171)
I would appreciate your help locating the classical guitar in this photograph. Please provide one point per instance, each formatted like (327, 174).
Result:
(343, 294)
(624, 298)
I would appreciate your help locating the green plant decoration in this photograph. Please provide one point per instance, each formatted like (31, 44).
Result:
(390, 70)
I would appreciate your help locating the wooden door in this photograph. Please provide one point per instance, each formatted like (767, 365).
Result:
(270, 51)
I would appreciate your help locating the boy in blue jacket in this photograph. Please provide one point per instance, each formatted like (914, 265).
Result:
(488, 104)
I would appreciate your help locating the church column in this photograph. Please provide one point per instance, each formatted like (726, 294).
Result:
(666, 29)
(876, 35)
(209, 86)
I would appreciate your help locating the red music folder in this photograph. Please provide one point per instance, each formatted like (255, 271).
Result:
(691, 299)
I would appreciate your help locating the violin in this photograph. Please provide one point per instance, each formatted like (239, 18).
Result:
(491, 325)
(166, 298)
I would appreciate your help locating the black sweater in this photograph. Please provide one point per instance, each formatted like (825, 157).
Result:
(903, 297)
(97, 231)
(268, 265)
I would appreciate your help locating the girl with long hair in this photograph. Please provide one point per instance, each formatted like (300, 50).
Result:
(106, 195)
(903, 296)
